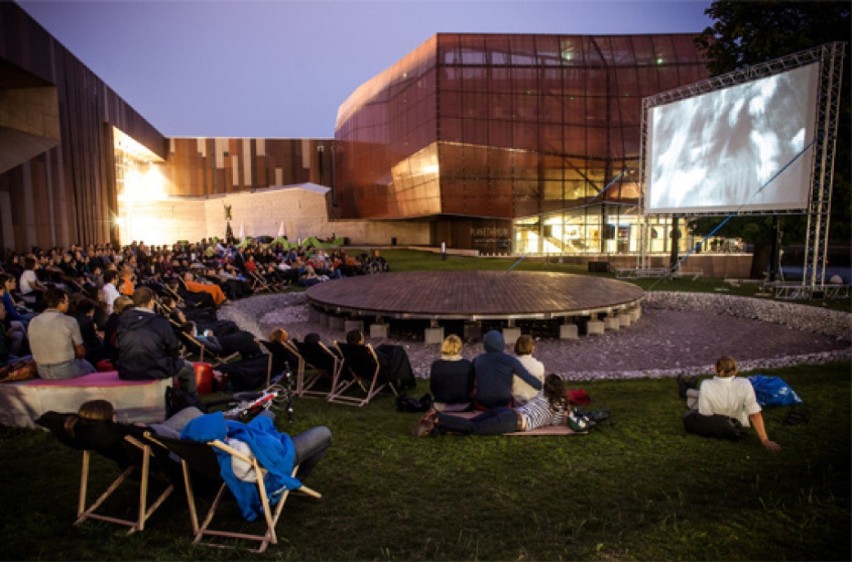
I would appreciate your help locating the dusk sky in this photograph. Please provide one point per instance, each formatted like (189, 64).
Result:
(281, 68)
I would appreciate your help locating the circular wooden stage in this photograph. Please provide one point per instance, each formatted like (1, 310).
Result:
(474, 295)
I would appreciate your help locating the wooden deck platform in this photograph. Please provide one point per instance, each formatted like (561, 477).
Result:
(473, 295)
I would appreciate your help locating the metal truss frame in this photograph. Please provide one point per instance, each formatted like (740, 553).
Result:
(830, 56)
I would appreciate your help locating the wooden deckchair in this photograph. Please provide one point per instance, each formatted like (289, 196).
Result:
(361, 370)
(200, 460)
(326, 362)
(195, 347)
(281, 356)
(132, 456)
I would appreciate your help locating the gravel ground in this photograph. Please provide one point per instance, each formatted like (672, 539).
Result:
(663, 342)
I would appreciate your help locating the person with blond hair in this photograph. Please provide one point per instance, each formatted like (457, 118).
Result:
(549, 407)
(726, 404)
(451, 378)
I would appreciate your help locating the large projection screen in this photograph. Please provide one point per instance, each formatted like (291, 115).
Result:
(717, 152)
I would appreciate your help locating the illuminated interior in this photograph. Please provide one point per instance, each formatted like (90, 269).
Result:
(140, 185)
(484, 135)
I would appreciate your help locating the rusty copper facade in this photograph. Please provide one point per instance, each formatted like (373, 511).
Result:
(218, 166)
(471, 131)
(57, 184)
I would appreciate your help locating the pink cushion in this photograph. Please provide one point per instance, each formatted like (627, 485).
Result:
(105, 378)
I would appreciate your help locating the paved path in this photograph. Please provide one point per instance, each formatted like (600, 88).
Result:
(662, 343)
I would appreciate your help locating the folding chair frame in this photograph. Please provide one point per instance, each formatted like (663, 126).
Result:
(259, 283)
(144, 512)
(270, 516)
(368, 382)
(266, 346)
(305, 383)
(200, 350)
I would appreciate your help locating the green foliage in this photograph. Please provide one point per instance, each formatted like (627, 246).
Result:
(746, 33)
(636, 488)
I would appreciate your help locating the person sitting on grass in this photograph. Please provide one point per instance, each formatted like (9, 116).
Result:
(726, 404)
(493, 372)
(549, 407)
(451, 378)
(521, 391)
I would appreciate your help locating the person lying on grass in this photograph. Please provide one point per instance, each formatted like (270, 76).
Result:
(549, 407)
(726, 404)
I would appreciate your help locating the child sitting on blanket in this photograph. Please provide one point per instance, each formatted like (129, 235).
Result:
(548, 408)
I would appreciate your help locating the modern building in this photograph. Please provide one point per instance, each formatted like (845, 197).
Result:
(510, 143)
(496, 143)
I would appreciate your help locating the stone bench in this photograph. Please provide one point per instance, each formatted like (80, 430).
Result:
(23, 402)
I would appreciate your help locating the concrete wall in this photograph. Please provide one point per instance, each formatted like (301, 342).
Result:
(164, 222)
(302, 211)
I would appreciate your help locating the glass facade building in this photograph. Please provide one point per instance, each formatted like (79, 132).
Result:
(524, 143)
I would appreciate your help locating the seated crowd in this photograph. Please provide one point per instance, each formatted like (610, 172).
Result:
(45, 292)
(141, 310)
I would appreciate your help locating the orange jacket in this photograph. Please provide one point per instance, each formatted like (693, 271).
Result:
(213, 290)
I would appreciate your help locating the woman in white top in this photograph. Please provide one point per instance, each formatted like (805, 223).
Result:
(522, 392)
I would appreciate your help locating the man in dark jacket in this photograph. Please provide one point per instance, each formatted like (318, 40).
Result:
(493, 371)
(147, 346)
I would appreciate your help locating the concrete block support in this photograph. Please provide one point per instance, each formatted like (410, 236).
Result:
(568, 332)
(594, 328)
(335, 322)
(349, 325)
(433, 335)
(636, 312)
(324, 319)
(511, 335)
(625, 319)
(612, 323)
(379, 331)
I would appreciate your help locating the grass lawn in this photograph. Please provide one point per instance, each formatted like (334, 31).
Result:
(637, 488)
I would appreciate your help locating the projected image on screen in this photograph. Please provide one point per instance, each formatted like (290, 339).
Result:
(714, 152)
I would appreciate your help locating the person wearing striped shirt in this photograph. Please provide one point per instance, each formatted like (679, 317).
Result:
(549, 407)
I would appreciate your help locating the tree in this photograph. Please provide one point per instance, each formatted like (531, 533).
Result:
(746, 33)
